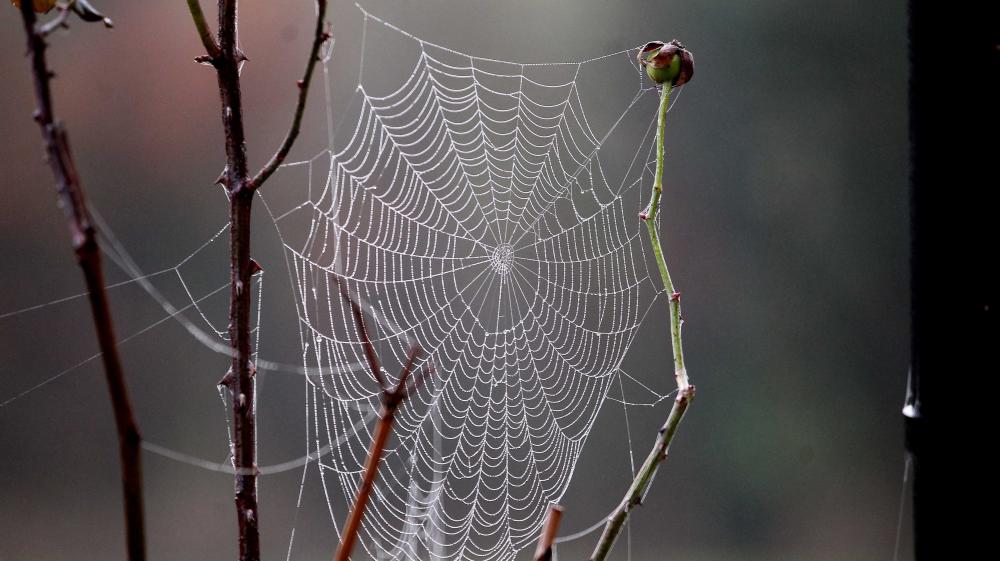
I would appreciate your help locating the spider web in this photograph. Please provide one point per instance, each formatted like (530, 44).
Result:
(470, 212)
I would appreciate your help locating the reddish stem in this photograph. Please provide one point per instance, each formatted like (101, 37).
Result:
(88, 256)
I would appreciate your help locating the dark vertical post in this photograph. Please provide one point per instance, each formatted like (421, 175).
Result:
(954, 97)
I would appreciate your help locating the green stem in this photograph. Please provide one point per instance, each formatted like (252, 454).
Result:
(204, 33)
(649, 216)
(644, 477)
(685, 391)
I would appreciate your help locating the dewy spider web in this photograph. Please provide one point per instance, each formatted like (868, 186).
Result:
(469, 210)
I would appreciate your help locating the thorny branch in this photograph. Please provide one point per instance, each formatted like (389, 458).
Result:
(85, 246)
(392, 398)
(637, 490)
(223, 53)
(659, 70)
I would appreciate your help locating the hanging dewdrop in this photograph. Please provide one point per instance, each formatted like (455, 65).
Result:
(667, 62)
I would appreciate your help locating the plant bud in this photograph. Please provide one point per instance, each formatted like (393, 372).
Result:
(40, 6)
(667, 62)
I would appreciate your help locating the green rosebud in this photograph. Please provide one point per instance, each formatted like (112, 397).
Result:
(667, 62)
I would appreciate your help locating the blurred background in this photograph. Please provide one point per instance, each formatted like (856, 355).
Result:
(785, 226)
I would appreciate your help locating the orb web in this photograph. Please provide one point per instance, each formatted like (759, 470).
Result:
(469, 211)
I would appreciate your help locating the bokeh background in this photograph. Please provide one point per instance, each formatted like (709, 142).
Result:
(786, 230)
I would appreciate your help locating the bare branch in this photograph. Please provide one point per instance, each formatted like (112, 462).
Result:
(226, 58)
(400, 391)
(391, 400)
(636, 491)
(548, 536)
(366, 341)
(88, 256)
(320, 37)
(207, 39)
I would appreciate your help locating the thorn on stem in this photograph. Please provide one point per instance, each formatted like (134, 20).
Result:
(300, 84)
(675, 297)
(255, 267)
(223, 178)
(205, 59)
(643, 216)
(227, 380)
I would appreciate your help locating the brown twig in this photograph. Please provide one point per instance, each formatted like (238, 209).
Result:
(320, 37)
(392, 398)
(88, 256)
(359, 322)
(548, 535)
(225, 55)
